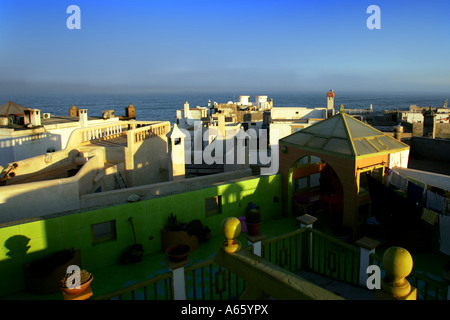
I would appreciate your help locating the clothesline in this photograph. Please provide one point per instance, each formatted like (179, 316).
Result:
(429, 196)
(435, 201)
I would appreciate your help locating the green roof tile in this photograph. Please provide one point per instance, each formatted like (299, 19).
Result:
(345, 135)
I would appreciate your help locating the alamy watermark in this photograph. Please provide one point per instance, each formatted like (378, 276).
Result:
(74, 20)
(241, 147)
(374, 280)
(74, 280)
(374, 21)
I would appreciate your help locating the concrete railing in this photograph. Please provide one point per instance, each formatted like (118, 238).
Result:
(137, 135)
(136, 131)
(84, 135)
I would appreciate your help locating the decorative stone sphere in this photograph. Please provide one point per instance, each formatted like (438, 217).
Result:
(398, 263)
(231, 228)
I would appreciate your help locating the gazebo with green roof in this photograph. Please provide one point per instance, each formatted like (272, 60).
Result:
(342, 151)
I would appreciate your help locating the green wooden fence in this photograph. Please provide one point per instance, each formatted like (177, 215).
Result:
(302, 249)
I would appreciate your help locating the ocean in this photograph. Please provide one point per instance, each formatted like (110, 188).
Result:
(163, 106)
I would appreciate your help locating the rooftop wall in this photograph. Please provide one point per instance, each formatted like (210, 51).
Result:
(34, 199)
(28, 241)
(291, 113)
(428, 148)
(159, 189)
(43, 163)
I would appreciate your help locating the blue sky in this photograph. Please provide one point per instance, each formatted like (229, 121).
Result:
(153, 45)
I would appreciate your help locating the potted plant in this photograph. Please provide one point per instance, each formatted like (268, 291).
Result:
(196, 228)
(135, 252)
(174, 232)
(178, 252)
(71, 288)
(253, 219)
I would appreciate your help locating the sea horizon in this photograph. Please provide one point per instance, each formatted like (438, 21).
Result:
(163, 105)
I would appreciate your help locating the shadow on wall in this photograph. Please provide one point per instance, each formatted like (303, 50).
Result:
(17, 247)
(150, 162)
(33, 169)
(39, 198)
(17, 252)
(20, 148)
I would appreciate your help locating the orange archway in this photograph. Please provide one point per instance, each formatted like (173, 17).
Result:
(311, 182)
(352, 149)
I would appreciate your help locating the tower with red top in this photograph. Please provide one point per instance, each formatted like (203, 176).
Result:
(330, 104)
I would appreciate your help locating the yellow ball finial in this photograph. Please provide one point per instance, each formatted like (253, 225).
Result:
(398, 264)
(231, 228)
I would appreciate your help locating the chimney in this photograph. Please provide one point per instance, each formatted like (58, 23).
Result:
(186, 109)
(73, 111)
(221, 124)
(398, 133)
(429, 124)
(83, 118)
(36, 117)
(130, 112)
(32, 117)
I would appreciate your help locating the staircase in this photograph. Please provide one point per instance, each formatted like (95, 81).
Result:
(120, 180)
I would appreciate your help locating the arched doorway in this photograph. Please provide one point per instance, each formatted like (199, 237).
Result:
(315, 189)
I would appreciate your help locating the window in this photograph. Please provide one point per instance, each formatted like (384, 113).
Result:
(363, 181)
(104, 231)
(300, 184)
(376, 172)
(314, 180)
(177, 141)
(213, 205)
(295, 129)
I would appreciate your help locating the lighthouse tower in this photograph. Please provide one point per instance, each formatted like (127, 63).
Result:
(330, 104)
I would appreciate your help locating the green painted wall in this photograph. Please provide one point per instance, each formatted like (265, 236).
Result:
(26, 242)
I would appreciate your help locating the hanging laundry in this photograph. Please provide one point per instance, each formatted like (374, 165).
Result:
(415, 193)
(447, 207)
(417, 182)
(434, 201)
(390, 208)
(437, 190)
(444, 226)
(430, 216)
(398, 181)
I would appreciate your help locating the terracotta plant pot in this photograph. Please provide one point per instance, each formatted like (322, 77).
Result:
(132, 255)
(169, 238)
(253, 228)
(81, 289)
(178, 252)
